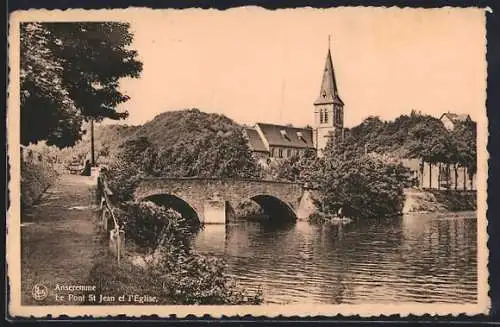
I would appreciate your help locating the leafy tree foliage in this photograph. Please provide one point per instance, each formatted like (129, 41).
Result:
(464, 135)
(364, 185)
(70, 72)
(132, 162)
(47, 111)
(192, 143)
(304, 168)
(150, 225)
(417, 136)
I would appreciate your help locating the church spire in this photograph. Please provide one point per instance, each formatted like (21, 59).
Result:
(328, 108)
(328, 91)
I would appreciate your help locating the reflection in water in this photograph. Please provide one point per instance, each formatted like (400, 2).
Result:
(420, 258)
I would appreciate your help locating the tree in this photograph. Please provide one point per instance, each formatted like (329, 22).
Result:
(305, 168)
(47, 111)
(133, 160)
(429, 141)
(192, 143)
(70, 72)
(363, 185)
(220, 155)
(465, 134)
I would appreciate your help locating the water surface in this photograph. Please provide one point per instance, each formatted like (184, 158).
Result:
(418, 258)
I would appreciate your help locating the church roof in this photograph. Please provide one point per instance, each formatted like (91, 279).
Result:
(287, 136)
(329, 91)
(254, 140)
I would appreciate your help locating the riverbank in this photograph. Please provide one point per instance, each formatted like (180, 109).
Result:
(439, 201)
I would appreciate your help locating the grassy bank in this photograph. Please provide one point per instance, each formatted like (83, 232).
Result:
(60, 244)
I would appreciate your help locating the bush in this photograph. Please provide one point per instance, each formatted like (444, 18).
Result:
(192, 278)
(364, 186)
(185, 276)
(148, 224)
(35, 179)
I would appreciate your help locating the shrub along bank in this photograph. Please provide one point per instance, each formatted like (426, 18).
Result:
(163, 264)
(35, 179)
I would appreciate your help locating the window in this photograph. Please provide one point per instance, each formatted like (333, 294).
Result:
(323, 116)
(288, 153)
(280, 153)
(284, 134)
(273, 152)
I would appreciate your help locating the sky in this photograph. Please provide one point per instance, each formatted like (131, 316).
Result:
(255, 65)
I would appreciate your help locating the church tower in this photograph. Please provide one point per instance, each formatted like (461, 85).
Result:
(328, 110)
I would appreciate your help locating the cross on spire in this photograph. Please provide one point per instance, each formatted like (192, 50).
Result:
(329, 41)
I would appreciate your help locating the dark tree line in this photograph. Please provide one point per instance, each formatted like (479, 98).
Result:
(70, 73)
(420, 137)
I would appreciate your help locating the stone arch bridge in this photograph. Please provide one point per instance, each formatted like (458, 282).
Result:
(211, 199)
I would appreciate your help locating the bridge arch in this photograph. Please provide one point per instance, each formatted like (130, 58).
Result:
(178, 204)
(212, 198)
(275, 208)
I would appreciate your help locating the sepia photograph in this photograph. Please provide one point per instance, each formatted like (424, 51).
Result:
(247, 162)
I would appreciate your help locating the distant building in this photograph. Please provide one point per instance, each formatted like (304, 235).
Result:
(284, 141)
(278, 141)
(256, 143)
(450, 120)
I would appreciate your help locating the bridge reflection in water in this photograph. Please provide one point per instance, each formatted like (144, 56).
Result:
(419, 258)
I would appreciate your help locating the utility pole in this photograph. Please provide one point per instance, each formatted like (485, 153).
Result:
(92, 156)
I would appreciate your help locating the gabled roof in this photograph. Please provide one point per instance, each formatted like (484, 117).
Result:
(455, 117)
(254, 140)
(328, 92)
(287, 136)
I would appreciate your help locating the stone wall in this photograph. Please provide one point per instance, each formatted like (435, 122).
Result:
(200, 192)
(439, 201)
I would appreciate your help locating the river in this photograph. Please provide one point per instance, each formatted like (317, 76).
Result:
(414, 258)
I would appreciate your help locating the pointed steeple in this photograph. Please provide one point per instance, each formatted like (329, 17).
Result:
(328, 91)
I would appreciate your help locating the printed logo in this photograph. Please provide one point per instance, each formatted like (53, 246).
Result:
(40, 292)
